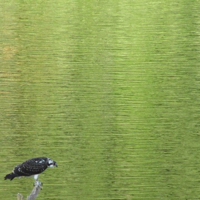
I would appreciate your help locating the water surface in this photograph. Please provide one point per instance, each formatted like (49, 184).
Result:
(108, 89)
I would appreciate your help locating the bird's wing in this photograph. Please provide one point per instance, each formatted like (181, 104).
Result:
(31, 167)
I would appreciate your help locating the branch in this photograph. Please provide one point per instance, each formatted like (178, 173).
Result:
(20, 196)
(34, 193)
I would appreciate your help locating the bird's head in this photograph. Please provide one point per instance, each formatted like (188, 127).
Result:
(52, 163)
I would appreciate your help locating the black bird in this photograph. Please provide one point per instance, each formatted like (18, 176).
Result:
(32, 167)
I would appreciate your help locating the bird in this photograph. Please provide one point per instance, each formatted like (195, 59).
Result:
(32, 167)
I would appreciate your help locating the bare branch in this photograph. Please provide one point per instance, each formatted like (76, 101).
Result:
(34, 193)
(20, 196)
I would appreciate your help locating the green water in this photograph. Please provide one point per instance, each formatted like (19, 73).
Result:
(109, 90)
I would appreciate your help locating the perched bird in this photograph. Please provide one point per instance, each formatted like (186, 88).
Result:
(32, 167)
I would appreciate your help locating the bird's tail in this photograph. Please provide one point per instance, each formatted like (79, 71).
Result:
(10, 176)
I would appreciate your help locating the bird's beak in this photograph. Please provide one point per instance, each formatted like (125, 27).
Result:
(56, 164)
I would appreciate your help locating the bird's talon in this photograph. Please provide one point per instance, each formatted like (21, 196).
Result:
(38, 183)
